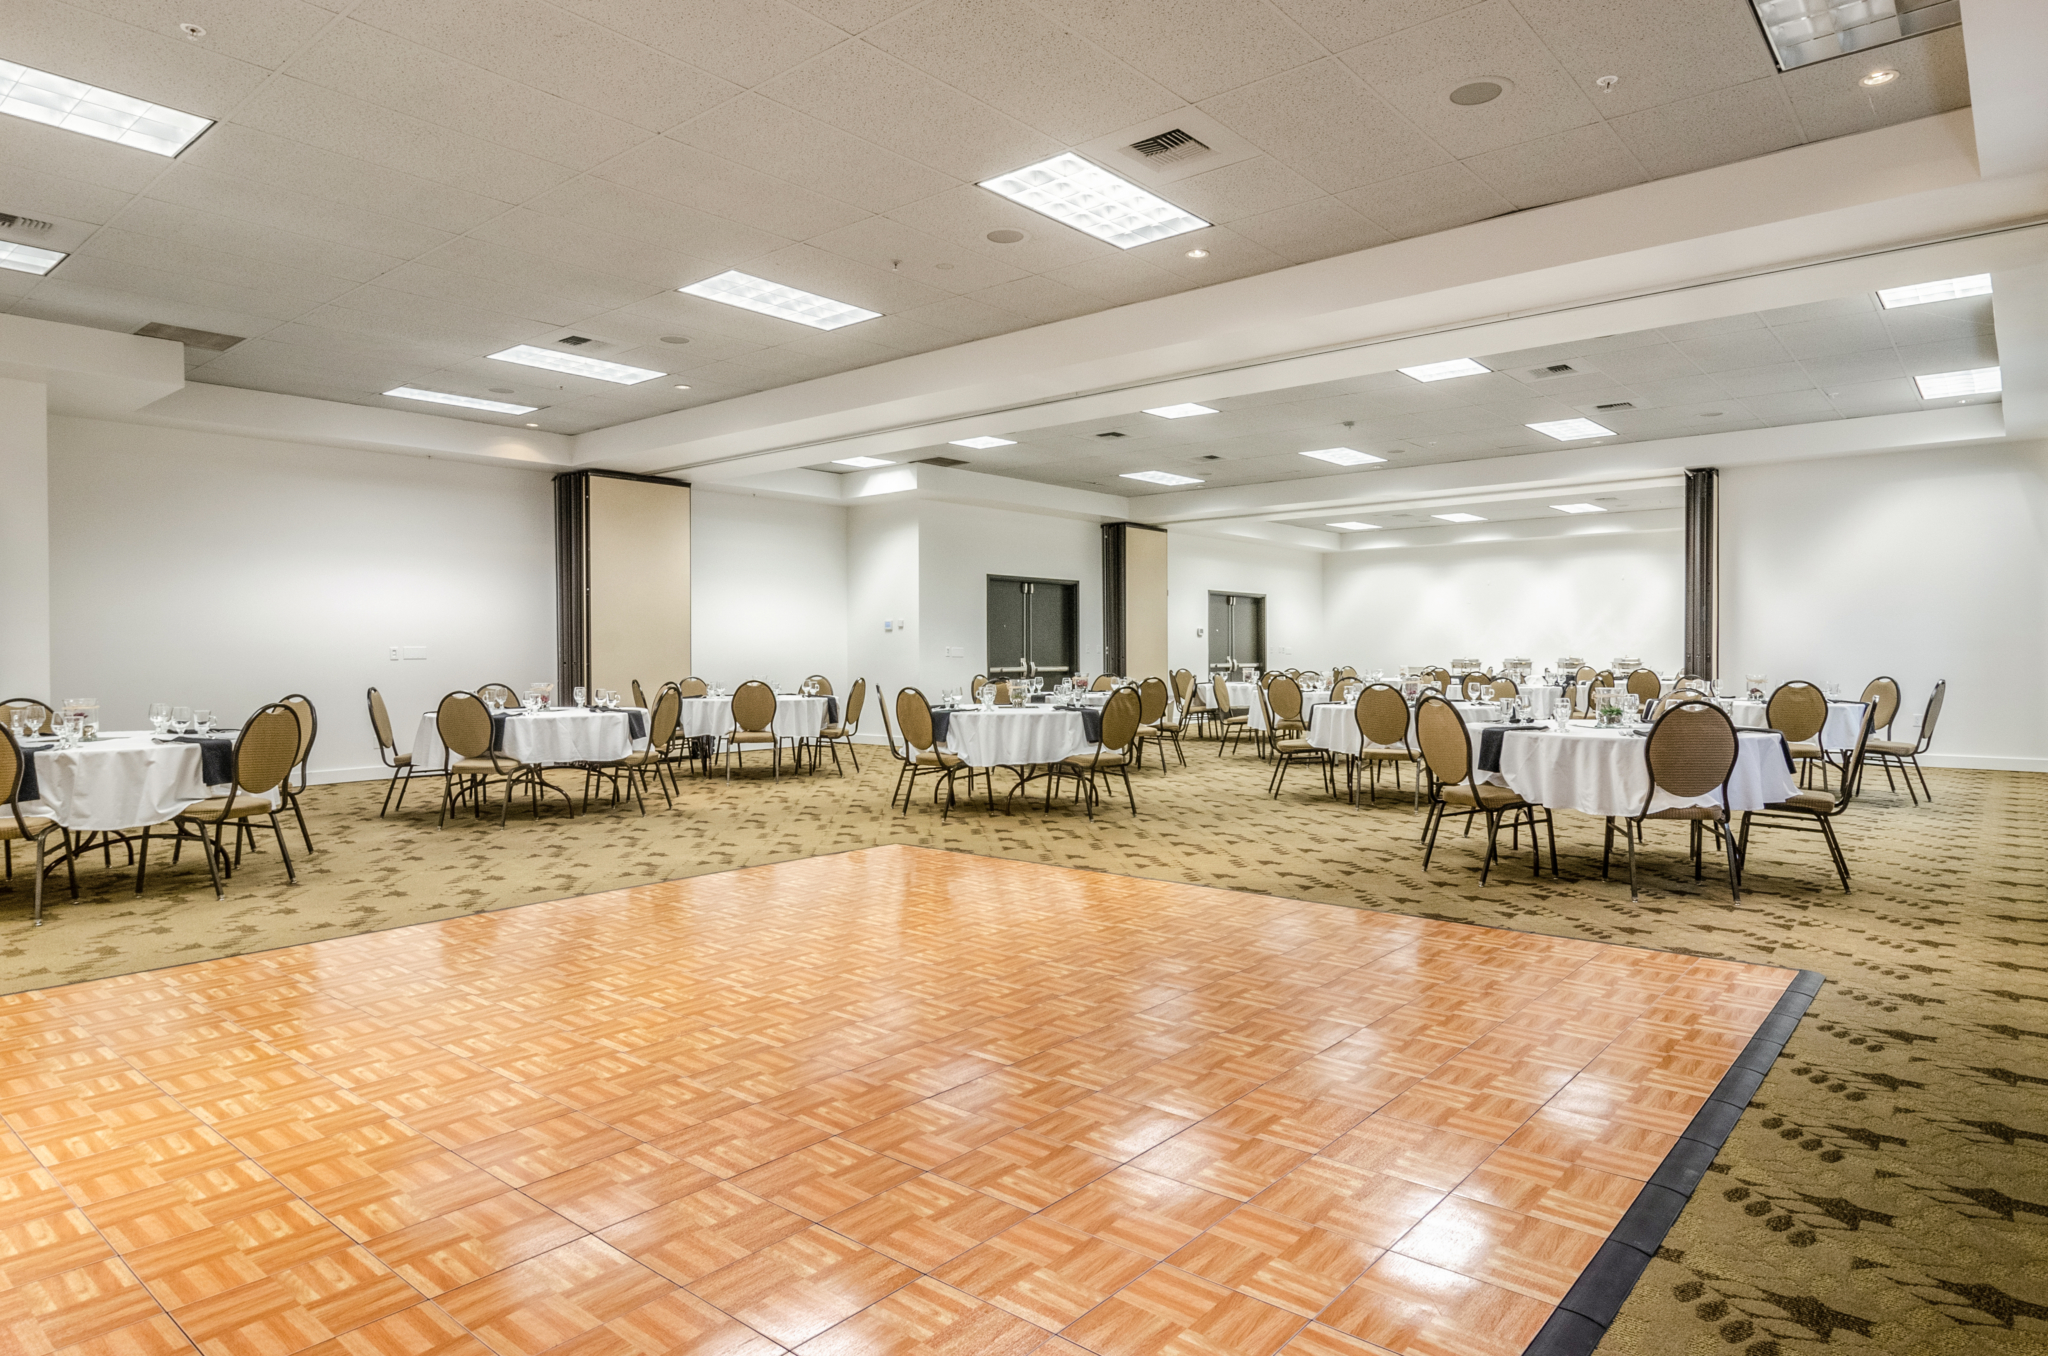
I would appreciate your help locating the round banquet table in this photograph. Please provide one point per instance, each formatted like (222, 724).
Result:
(1333, 727)
(795, 717)
(124, 779)
(1603, 772)
(1015, 736)
(1845, 721)
(1246, 696)
(570, 734)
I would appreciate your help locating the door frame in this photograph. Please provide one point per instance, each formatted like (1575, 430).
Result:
(1241, 593)
(1071, 641)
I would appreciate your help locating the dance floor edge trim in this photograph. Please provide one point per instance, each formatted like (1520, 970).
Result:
(1588, 1309)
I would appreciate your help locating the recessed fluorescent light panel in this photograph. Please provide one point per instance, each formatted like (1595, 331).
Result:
(1456, 367)
(76, 107)
(1090, 199)
(27, 258)
(1355, 527)
(864, 463)
(1802, 32)
(576, 365)
(1180, 411)
(1578, 508)
(1161, 478)
(467, 402)
(1459, 517)
(1948, 289)
(1343, 456)
(1943, 385)
(749, 293)
(1567, 430)
(983, 444)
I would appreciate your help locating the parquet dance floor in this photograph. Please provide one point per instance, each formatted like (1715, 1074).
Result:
(897, 1101)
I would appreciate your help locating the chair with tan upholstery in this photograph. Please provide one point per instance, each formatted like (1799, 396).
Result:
(18, 826)
(1229, 720)
(1502, 688)
(1905, 754)
(693, 687)
(502, 693)
(1383, 719)
(471, 759)
(1447, 753)
(401, 764)
(655, 758)
(1002, 697)
(1646, 684)
(1475, 685)
(295, 781)
(1441, 676)
(1812, 811)
(45, 723)
(753, 726)
(1691, 753)
(1103, 682)
(824, 685)
(1287, 724)
(842, 732)
(1179, 712)
(266, 750)
(1881, 694)
(1154, 700)
(1586, 674)
(639, 697)
(898, 753)
(921, 751)
(975, 685)
(1192, 701)
(1111, 754)
(1799, 711)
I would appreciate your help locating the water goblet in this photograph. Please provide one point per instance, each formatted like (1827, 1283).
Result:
(181, 717)
(202, 721)
(159, 716)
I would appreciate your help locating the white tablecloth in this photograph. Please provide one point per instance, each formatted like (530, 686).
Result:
(1838, 735)
(1016, 736)
(795, 717)
(122, 780)
(1333, 727)
(563, 735)
(1246, 695)
(1604, 772)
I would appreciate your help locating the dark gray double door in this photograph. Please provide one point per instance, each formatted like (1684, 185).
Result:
(1237, 631)
(1031, 627)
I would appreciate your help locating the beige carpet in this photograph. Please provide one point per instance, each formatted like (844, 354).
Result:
(1887, 1193)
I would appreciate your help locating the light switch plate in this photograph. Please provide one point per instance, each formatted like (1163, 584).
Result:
(415, 652)
(888, 626)
(394, 654)
(956, 652)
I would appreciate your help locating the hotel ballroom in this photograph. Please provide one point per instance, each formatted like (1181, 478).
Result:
(1023, 677)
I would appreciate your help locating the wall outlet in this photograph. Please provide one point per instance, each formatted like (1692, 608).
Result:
(415, 652)
(394, 654)
(1200, 632)
(888, 626)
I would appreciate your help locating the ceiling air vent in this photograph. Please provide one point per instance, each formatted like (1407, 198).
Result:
(942, 461)
(207, 339)
(9, 221)
(575, 340)
(1111, 434)
(1554, 370)
(1617, 405)
(1168, 148)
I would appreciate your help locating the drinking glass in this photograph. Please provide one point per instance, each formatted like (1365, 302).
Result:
(579, 695)
(159, 716)
(181, 717)
(202, 720)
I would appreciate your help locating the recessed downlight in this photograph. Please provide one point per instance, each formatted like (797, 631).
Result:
(1090, 199)
(1947, 289)
(1005, 237)
(982, 444)
(1343, 456)
(575, 364)
(1942, 385)
(1459, 517)
(466, 402)
(1186, 411)
(1198, 254)
(1883, 77)
(1476, 92)
(1161, 478)
(1456, 367)
(1570, 430)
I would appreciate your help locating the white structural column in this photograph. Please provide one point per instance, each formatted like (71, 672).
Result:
(24, 539)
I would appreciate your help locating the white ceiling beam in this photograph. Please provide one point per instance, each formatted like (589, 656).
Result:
(289, 418)
(944, 484)
(2005, 42)
(89, 372)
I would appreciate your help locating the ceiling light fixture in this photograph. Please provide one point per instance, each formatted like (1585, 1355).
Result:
(1879, 78)
(1802, 32)
(1578, 508)
(1186, 411)
(864, 463)
(1948, 289)
(74, 106)
(1198, 254)
(1939, 385)
(983, 444)
(1343, 456)
(1161, 478)
(1456, 367)
(28, 259)
(1569, 430)
(1459, 517)
(1355, 527)
(533, 425)
(1090, 199)
(576, 365)
(467, 402)
(749, 293)
(680, 387)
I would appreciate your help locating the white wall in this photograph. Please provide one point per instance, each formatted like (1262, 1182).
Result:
(767, 589)
(1597, 596)
(1290, 579)
(961, 546)
(24, 540)
(208, 570)
(1918, 565)
(882, 552)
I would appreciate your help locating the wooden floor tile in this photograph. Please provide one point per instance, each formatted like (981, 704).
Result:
(1168, 1310)
(1048, 1273)
(925, 1222)
(927, 1318)
(547, 1300)
(796, 1289)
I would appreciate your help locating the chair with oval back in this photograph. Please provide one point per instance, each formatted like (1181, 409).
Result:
(922, 753)
(1447, 754)
(1111, 754)
(1002, 697)
(1799, 711)
(898, 753)
(1383, 720)
(975, 685)
(45, 724)
(401, 764)
(1103, 682)
(693, 687)
(309, 727)
(1691, 754)
(1813, 811)
(1173, 722)
(1231, 721)
(1287, 725)
(1881, 694)
(1474, 686)
(18, 826)
(1905, 753)
(1192, 702)
(824, 684)
(753, 726)
(1647, 685)
(266, 750)
(1153, 701)
(657, 756)
(1441, 676)
(1502, 688)
(845, 728)
(471, 758)
(502, 693)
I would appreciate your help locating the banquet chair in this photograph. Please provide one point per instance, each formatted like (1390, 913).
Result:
(975, 685)
(1439, 675)
(1502, 688)
(639, 697)
(1799, 711)
(1112, 752)
(1691, 751)
(1646, 684)
(902, 758)
(832, 736)
(501, 691)
(1194, 705)
(1229, 720)
(1812, 811)
(657, 756)
(1103, 682)
(309, 726)
(18, 827)
(1881, 694)
(1905, 754)
(922, 753)
(46, 723)
(1002, 697)
(266, 750)
(401, 764)
(1174, 723)
(824, 684)
(1153, 700)
(470, 753)
(1475, 685)
(693, 687)
(753, 726)
(1288, 727)
(1586, 674)
(1447, 754)
(1383, 717)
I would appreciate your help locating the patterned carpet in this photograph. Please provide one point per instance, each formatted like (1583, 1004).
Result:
(1887, 1193)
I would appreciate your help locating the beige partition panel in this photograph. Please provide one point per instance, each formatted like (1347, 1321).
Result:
(1145, 603)
(637, 547)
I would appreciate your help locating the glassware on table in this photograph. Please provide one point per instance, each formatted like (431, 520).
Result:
(202, 721)
(159, 716)
(181, 719)
(580, 696)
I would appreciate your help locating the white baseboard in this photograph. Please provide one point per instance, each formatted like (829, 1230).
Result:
(1990, 762)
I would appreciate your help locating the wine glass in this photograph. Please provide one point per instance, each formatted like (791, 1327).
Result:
(202, 721)
(181, 717)
(159, 716)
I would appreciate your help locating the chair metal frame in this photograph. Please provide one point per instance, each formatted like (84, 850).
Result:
(1632, 826)
(243, 784)
(401, 764)
(1439, 808)
(1798, 818)
(737, 749)
(11, 749)
(849, 726)
(1124, 705)
(1908, 760)
(1366, 759)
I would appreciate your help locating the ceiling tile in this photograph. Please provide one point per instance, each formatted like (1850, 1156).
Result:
(1417, 69)
(1651, 363)
(1838, 334)
(1792, 407)
(1659, 392)
(966, 317)
(1941, 320)
(1038, 299)
(641, 261)
(1196, 48)
(884, 242)
(778, 140)
(137, 60)
(624, 211)
(1950, 355)
(1576, 164)
(1228, 254)
(855, 16)
(261, 206)
(1312, 230)
(842, 279)
(1338, 24)
(1933, 78)
(1321, 120)
(1662, 52)
(1428, 201)
(1241, 190)
(711, 183)
(516, 295)
(1708, 329)
(244, 240)
(701, 320)
(115, 307)
(273, 169)
(563, 54)
(1759, 381)
(1862, 399)
(260, 32)
(1716, 128)
(1848, 369)
(415, 319)
(964, 216)
(745, 41)
(67, 155)
(1731, 352)
(47, 196)
(1070, 89)
(860, 89)
(213, 293)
